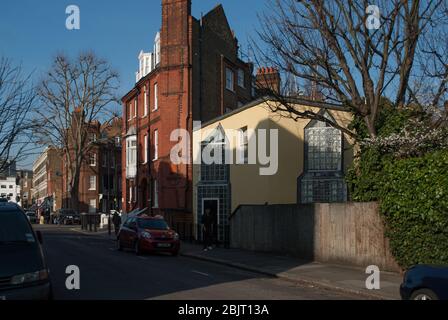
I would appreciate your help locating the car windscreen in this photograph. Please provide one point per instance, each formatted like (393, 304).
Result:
(14, 228)
(152, 224)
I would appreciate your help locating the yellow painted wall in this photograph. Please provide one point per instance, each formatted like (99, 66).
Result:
(247, 185)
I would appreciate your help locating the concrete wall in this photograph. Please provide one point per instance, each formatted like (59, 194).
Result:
(346, 233)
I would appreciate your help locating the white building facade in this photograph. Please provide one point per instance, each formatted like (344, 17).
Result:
(40, 178)
(10, 189)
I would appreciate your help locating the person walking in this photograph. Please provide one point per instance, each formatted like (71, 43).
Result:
(207, 229)
(116, 220)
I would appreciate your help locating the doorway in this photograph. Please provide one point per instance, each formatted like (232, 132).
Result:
(213, 205)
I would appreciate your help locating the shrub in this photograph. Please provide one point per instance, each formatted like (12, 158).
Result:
(413, 196)
(406, 169)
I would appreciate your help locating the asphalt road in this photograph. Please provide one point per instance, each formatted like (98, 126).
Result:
(106, 273)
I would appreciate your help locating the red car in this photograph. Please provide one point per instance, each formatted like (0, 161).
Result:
(148, 234)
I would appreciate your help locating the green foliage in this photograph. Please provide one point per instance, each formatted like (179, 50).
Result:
(414, 202)
(362, 180)
(389, 120)
(412, 192)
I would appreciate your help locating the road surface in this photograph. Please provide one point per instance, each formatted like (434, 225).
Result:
(106, 273)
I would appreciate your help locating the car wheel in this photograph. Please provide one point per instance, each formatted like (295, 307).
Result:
(137, 249)
(175, 253)
(424, 294)
(119, 247)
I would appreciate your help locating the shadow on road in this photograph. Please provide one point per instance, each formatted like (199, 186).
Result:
(106, 273)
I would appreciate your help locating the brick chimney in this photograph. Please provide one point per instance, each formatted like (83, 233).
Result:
(175, 29)
(268, 81)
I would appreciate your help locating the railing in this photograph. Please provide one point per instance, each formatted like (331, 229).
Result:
(90, 221)
(185, 230)
(192, 233)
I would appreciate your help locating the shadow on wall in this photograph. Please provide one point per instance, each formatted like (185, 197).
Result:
(282, 228)
(346, 233)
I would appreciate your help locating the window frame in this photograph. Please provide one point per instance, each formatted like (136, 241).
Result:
(230, 76)
(156, 145)
(156, 97)
(145, 149)
(241, 78)
(93, 156)
(94, 182)
(145, 98)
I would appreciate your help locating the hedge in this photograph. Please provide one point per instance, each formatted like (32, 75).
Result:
(413, 196)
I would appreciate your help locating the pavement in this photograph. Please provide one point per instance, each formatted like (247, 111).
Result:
(106, 273)
(335, 277)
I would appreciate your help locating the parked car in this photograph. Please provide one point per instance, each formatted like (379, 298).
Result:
(67, 216)
(148, 234)
(425, 282)
(23, 271)
(32, 217)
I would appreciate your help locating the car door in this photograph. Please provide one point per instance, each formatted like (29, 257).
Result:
(123, 235)
(126, 233)
(133, 233)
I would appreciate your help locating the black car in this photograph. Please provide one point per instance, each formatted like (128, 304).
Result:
(425, 282)
(67, 216)
(23, 272)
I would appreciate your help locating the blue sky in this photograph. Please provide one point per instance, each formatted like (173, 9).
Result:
(33, 32)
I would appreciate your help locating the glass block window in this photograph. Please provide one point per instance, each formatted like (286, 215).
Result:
(220, 192)
(324, 146)
(323, 179)
(323, 190)
(214, 171)
(217, 172)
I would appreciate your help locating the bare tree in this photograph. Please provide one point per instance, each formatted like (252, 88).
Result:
(17, 99)
(429, 88)
(336, 46)
(75, 94)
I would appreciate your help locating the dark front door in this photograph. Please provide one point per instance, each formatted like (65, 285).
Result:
(212, 204)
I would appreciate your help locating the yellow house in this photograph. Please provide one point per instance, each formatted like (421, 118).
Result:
(267, 158)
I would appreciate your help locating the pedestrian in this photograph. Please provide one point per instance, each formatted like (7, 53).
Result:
(116, 220)
(207, 229)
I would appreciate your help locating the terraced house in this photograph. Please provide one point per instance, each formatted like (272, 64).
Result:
(194, 73)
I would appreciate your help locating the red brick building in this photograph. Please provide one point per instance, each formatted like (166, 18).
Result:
(100, 174)
(193, 74)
